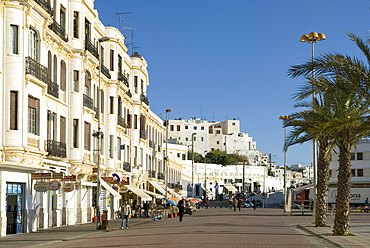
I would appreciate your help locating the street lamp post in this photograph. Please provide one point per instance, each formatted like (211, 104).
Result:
(285, 118)
(166, 160)
(205, 176)
(192, 164)
(99, 135)
(313, 38)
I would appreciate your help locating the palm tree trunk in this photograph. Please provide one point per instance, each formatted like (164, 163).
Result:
(341, 221)
(323, 163)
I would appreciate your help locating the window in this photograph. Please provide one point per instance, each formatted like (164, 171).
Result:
(218, 142)
(55, 68)
(202, 128)
(195, 127)
(178, 128)
(111, 104)
(195, 138)
(135, 84)
(50, 65)
(63, 76)
(218, 131)
(201, 138)
(360, 172)
(111, 146)
(51, 125)
(87, 30)
(75, 24)
(118, 148)
(171, 127)
(330, 173)
(75, 133)
(14, 47)
(87, 136)
(233, 123)
(142, 87)
(13, 110)
(353, 157)
(119, 107)
(63, 17)
(135, 121)
(76, 80)
(359, 156)
(119, 63)
(33, 115)
(87, 84)
(186, 139)
(353, 171)
(111, 61)
(63, 129)
(32, 44)
(102, 101)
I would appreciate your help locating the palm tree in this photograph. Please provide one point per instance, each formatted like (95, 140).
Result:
(305, 129)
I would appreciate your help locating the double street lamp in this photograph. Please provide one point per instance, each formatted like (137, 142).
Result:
(99, 135)
(313, 38)
(285, 118)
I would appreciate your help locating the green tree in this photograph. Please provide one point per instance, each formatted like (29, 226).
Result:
(218, 157)
(198, 158)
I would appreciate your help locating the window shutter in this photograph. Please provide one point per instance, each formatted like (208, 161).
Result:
(13, 110)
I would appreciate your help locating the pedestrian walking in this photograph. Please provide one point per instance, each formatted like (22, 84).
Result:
(231, 201)
(367, 204)
(181, 206)
(254, 203)
(126, 214)
(146, 209)
(235, 203)
(207, 202)
(240, 202)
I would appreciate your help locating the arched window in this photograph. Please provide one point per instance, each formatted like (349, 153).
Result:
(87, 83)
(63, 75)
(55, 69)
(50, 65)
(33, 45)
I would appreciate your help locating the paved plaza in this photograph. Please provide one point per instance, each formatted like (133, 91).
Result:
(213, 227)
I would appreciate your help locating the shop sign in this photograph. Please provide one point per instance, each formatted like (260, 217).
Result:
(108, 179)
(69, 178)
(123, 190)
(54, 185)
(35, 176)
(68, 187)
(92, 178)
(41, 186)
(95, 170)
(115, 188)
(57, 175)
(124, 182)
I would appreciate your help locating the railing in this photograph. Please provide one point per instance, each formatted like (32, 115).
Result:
(59, 30)
(105, 71)
(55, 148)
(151, 173)
(89, 46)
(122, 78)
(160, 175)
(45, 5)
(88, 102)
(144, 99)
(121, 121)
(37, 70)
(129, 93)
(53, 89)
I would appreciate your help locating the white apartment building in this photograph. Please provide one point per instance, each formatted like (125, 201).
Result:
(49, 88)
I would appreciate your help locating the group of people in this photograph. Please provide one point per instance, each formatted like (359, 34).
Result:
(237, 202)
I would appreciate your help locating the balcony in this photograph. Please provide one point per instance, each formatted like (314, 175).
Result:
(121, 121)
(142, 134)
(45, 5)
(59, 30)
(89, 46)
(53, 89)
(105, 71)
(144, 99)
(151, 174)
(129, 93)
(37, 70)
(160, 176)
(122, 78)
(88, 102)
(55, 148)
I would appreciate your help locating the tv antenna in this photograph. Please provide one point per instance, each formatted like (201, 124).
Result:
(120, 24)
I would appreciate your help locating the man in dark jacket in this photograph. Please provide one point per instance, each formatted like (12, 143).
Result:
(146, 209)
(181, 206)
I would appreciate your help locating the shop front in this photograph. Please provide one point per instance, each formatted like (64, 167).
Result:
(14, 207)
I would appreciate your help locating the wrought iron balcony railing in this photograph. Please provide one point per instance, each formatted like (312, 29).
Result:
(45, 5)
(89, 46)
(151, 174)
(105, 71)
(142, 134)
(121, 121)
(59, 30)
(144, 99)
(129, 93)
(88, 102)
(160, 175)
(53, 89)
(37, 70)
(127, 167)
(122, 78)
(55, 148)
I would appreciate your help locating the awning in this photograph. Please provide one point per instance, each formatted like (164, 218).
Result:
(110, 189)
(155, 195)
(157, 187)
(308, 186)
(230, 188)
(174, 193)
(139, 192)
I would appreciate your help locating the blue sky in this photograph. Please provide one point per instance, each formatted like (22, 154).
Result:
(229, 59)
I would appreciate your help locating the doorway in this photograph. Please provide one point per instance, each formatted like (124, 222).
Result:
(14, 208)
